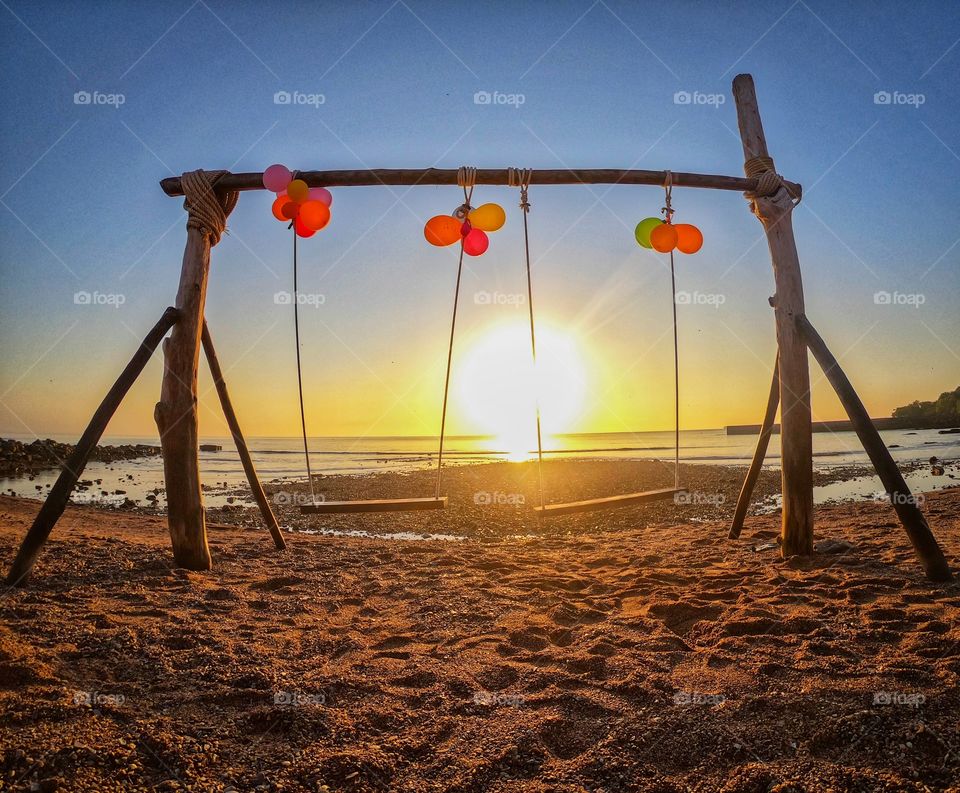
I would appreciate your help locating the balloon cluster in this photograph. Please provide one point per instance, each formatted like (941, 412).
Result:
(664, 236)
(308, 208)
(468, 225)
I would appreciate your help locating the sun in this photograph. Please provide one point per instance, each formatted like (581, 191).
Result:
(498, 389)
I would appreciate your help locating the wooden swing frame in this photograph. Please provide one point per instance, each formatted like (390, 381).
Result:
(177, 416)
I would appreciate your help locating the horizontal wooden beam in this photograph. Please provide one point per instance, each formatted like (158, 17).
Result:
(493, 176)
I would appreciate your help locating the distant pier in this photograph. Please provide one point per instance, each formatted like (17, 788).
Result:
(822, 426)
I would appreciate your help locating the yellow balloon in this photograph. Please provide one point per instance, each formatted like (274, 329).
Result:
(298, 191)
(487, 217)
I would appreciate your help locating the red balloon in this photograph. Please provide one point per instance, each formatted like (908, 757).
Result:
(290, 209)
(302, 229)
(465, 228)
(475, 242)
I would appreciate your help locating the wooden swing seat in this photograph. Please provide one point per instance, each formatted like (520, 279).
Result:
(609, 502)
(374, 505)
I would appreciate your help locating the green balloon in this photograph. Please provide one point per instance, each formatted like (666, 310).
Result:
(644, 229)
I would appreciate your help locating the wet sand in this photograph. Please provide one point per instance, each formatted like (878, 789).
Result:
(621, 652)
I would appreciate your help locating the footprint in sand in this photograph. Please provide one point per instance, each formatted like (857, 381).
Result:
(565, 739)
(275, 584)
(681, 617)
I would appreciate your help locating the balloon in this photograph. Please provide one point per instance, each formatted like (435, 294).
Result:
(298, 190)
(303, 230)
(475, 242)
(276, 178)
(320, 194)
(689, 238)
(465, 228)
(442, 230)
(644, 227)
(664, 238)
(290, 209)
(278, 204)
(314, 215)
(488, 217)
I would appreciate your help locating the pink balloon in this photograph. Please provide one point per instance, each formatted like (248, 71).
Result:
(475, 242)
(276, 178)
(320, 194)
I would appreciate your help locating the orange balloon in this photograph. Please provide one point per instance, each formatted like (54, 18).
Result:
(689, 238)
(277, 207)
(442, 230)
(314, 214)
(664, 238)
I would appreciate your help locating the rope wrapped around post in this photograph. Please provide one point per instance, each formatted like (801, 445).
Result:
(762, 169)
(208, 210)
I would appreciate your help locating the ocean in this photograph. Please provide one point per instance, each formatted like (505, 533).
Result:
(281, 458)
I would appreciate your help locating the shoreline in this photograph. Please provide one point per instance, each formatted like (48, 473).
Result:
(493, 499)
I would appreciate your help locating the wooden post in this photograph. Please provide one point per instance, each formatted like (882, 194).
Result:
(924, 543)
(796, 439)
(59, 495)
(176, 412)
(766, 429)
(232, 422)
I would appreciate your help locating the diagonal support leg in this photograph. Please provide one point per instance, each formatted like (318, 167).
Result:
(245, 459)
(59, 494)
(756, 465)
(924, 543)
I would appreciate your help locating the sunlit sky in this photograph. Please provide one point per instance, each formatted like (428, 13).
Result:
(592, 85)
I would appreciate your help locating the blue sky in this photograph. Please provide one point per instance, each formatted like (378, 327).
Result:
(178, 86)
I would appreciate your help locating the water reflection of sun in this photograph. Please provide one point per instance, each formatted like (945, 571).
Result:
(498, 388)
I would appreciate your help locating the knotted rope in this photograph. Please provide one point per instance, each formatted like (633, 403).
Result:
(208, 210)
(466, 178)
(520, 177)
(768, 180)
(667, 211)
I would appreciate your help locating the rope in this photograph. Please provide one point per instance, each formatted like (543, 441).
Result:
(668, 213)
(207, 210)
(466, 178)
(762, 169)
(296, 333)
(676, 381)
(521, 178)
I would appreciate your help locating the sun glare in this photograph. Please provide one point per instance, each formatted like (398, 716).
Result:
(497, 389)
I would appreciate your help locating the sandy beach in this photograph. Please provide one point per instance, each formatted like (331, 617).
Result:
(637, 650)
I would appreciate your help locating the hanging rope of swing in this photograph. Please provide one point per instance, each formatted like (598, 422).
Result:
(522, 179)
(466, 178)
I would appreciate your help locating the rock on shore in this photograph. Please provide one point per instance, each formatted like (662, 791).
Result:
(17, 457)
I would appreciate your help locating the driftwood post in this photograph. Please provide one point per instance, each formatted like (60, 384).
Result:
(924, 543)
(59, 495)
(176, 412)
(756, 465)
(772, 205)
(245, 459)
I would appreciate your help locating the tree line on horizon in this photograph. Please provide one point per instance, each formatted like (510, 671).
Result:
(944, 412)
